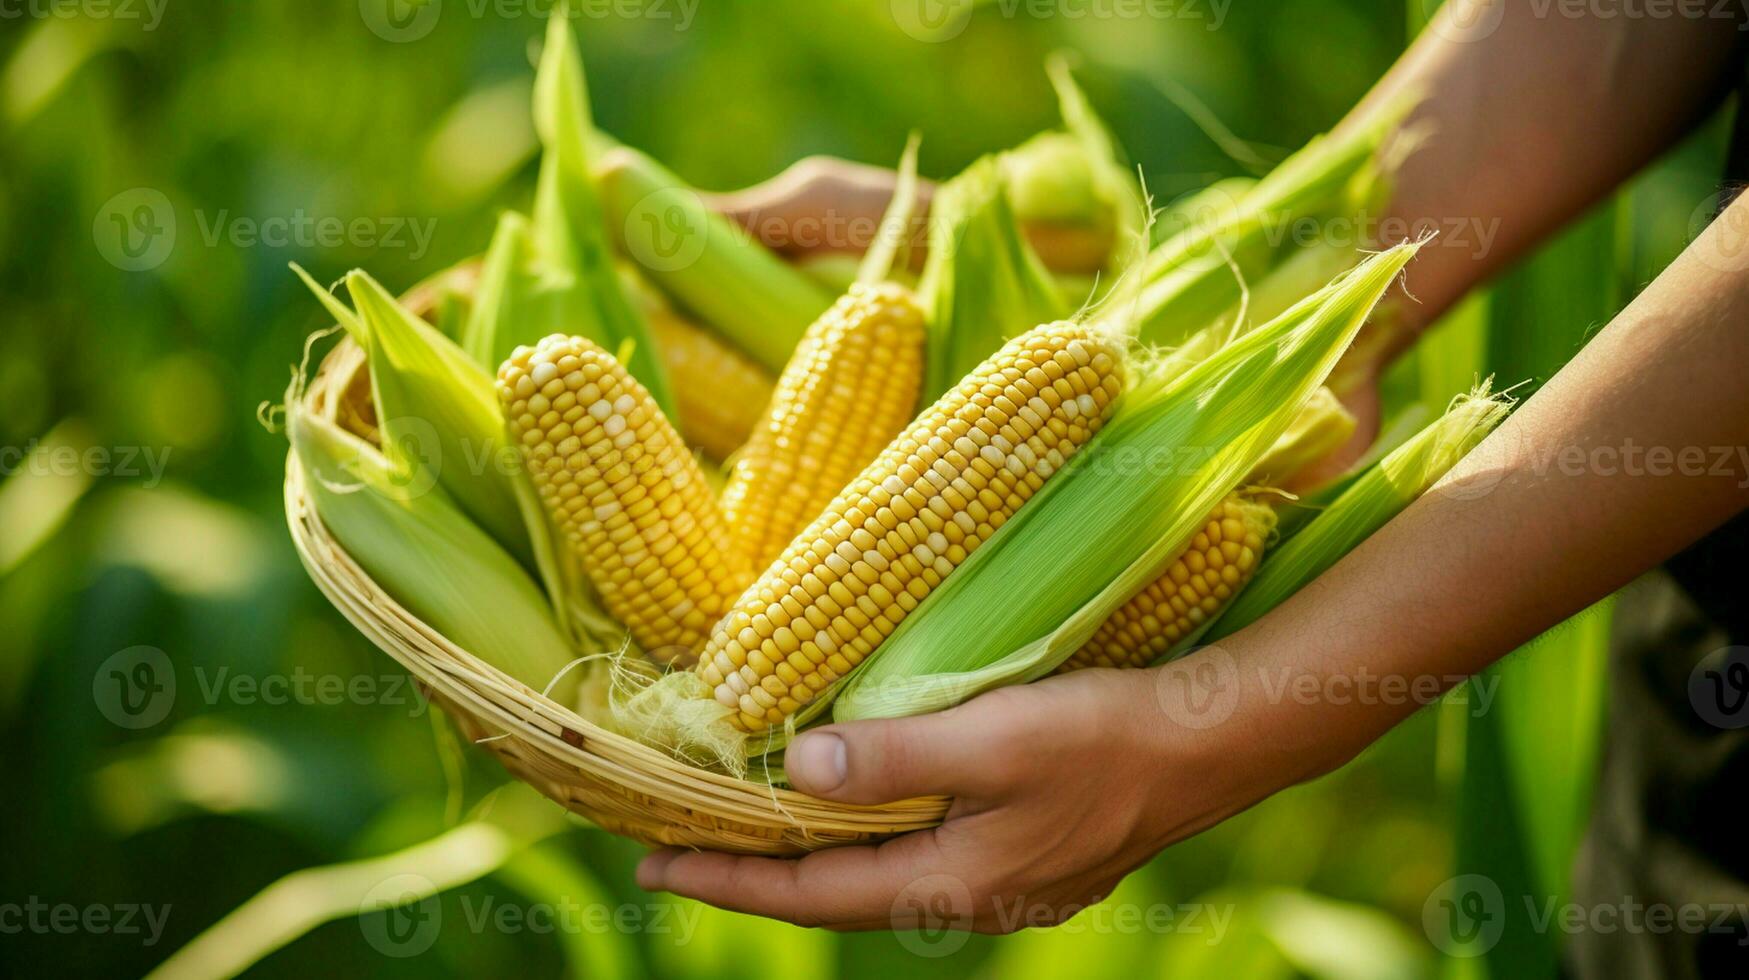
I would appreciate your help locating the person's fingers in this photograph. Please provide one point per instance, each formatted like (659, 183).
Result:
(959, 752)
(846, 887)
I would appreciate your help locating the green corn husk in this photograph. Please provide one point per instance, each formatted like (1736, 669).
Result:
(982, 283)
(837, 271)
(1031, 595)
(1205, 208)
(569, 229)
(506, 308)
(1112, 183)
(412, 539)
(705, 262)
(1294, 515)
(1323, 426)
(1369, 503)
(435, 406)
(1190, 277)
(892, 242)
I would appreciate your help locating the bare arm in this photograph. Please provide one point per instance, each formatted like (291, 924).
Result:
(1528, 120)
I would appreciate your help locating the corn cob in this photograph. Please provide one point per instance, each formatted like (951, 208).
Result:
(850, 388)
(621, 486)
(721, 391)
(1218, 563)
(960, 471)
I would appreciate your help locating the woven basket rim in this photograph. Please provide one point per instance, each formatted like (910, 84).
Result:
(560, 739)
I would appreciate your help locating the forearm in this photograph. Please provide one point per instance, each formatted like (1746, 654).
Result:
(1636, 449)
(1524, 126)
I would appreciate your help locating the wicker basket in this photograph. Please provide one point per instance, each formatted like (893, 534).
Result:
(615, 782)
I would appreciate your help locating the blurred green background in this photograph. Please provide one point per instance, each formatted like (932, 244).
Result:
(163, 163)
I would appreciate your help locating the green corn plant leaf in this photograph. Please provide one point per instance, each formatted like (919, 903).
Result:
(569, 228)
(1530, 761)
(1104, 528)
(1367, 505)
(705, 262)
(408, 534)
(982, 284)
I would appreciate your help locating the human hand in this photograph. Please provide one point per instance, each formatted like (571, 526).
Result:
(824, 204)
(1060, 788)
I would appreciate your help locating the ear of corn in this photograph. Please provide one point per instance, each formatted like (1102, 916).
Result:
(1323, 426)
(570, 231)
(1378, 495)
(710, 266)
(1220, 560)
(943, 488)
(850, 388)
(722, 392)
(627, 496)
(434, 408)
(1218, 563)
(982, 283)
(408, 534)
(1189, 278)
(1002, 622)
(1111, 181)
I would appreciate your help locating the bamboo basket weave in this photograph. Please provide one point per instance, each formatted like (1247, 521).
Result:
(615, 782)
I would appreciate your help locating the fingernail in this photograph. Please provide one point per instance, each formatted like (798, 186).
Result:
(817, 762)
(651, 869)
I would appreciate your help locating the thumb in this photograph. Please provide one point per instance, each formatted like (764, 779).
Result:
(879, 761)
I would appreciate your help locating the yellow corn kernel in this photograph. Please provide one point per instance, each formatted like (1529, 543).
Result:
(950, 480)
(849, 389)
(1198, 584)
(721, 393)
(620, 485)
